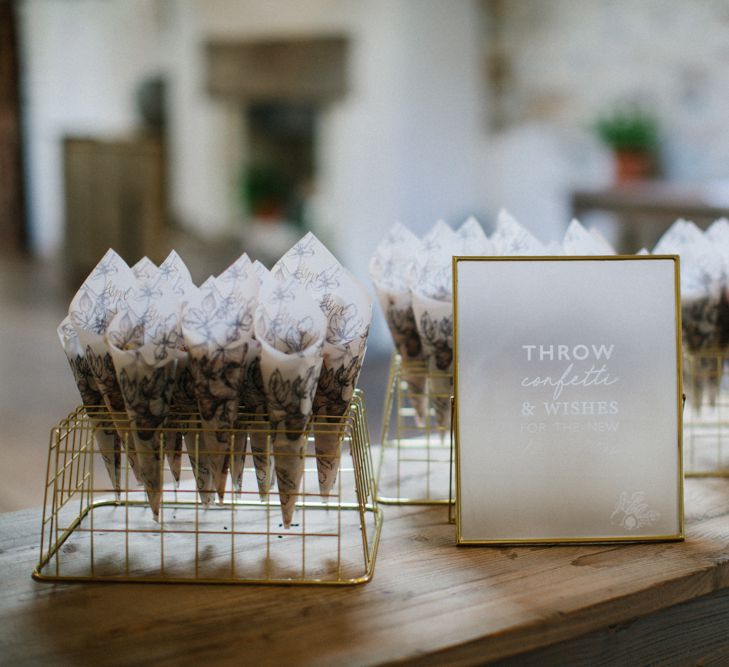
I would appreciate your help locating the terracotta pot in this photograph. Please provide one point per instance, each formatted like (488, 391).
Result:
(631, 166)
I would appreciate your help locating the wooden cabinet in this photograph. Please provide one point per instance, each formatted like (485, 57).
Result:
(115, 198)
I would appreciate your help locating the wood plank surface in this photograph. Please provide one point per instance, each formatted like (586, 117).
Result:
(429, 602)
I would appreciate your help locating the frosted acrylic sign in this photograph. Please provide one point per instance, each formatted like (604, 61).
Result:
(568, 399)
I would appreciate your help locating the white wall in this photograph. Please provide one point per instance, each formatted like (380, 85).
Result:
(404, 143)
(572, 60)
(407, 143)
(81, 62)
(410, 140)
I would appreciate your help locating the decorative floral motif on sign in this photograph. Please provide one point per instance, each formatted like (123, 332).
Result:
(632, 512)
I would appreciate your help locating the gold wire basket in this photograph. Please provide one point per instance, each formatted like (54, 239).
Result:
(415, 465)
(91, 533)
(706, 413)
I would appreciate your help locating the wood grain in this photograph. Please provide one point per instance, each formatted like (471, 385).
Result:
(429, 603)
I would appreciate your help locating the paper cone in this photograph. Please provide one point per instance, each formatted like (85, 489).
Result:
(390, 269)
(578, 241)
(102, 368)
(348, 310)
(431, 293)
(510, 238)
(145, 270)
(185, 408)
(702, 276)
(217, 386)
(700, 322)
(431, 288)
(435, 324)
(100, 296)
(290, 392)
(143, 343)
(240, 282)
(147, 393)
(333, 396)
(173, 279)
(718, 235)
(397, 308)
(104, 432)
(218, 332)
(472, 240)
(153, 283)
(254, 401)
(291, 330)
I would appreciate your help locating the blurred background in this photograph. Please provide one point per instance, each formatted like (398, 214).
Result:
(218, 126)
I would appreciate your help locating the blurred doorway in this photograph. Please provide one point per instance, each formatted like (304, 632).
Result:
(277, 90)
(280, 172)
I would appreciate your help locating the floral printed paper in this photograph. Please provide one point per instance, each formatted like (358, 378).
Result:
(100, 296)
(243, 278)
(291, 330)
(348, 309)
(510, 238)
(701, 296)
(105, 434)
(143, 339)
(390, 270)
(579, 241)
(218, 332)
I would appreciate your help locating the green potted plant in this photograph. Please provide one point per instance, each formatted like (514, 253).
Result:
(632, 134)
(265, 189)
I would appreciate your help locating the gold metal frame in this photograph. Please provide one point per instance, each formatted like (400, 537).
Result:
(88, 534)
(679, 400)
(415, 461)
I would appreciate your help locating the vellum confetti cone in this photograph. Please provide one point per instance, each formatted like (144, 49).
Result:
(92, 308)
(145, 270)
(701, 294)
(431, 284)
(261, 271)
(241, 280)
(152, 284)
(175, 276)
(254, 400)
(440, 235)
(143, 343)
(252, 395)
(218, 332)
(472, 240)
(348, 309)
(389, 269)
(175, 279)
(718, 235)
(239, 276)
(432, 295)
(291, 330)
(602, 241)
(579, 241)
(435, 325)
(105, 434)
(510, 238)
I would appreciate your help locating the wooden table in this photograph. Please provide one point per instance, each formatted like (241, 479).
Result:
(430, 603)
(646, 208)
